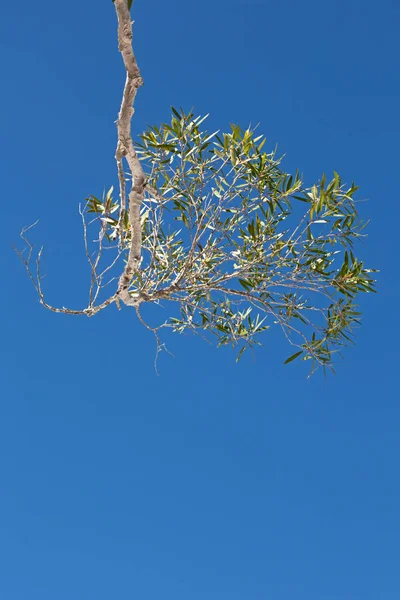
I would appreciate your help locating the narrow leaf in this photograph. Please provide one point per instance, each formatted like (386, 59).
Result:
(293, 357)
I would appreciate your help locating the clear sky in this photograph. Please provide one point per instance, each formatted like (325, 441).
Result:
(212, 481)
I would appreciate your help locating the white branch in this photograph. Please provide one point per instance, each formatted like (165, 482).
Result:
(126, 149)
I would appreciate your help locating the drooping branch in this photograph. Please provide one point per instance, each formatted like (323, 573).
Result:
(129, 210)
(125, 149)
(207, 225)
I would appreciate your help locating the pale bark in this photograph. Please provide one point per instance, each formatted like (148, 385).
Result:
(130, 206)
(125, 149)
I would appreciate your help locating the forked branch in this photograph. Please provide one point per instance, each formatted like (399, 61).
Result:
(211, 228)
(129, 209)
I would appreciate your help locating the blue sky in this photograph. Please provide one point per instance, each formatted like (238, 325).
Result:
(213, 480)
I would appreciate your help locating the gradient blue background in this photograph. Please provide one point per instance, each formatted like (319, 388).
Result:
(213, 481)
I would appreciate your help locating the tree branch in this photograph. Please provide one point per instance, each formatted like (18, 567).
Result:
(126, 149)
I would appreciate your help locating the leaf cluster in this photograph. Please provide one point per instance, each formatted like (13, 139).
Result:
(240, 245)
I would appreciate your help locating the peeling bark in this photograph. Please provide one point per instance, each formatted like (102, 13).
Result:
(125, 149)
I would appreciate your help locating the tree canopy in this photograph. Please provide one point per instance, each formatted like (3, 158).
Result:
(212, 223)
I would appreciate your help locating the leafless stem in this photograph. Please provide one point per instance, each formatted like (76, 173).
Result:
(126, 149)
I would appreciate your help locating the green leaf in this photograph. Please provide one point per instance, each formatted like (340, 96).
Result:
(185, 219)
(293, 357)
(245, 284)
(239, 356)
(178, 116)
